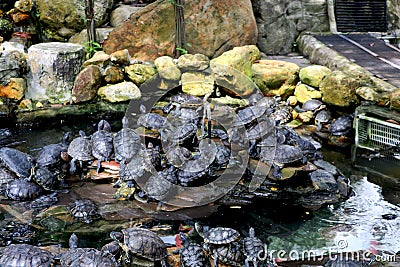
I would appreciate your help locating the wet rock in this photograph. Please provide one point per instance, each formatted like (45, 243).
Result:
(53, 68)
(190, 62)
(122, 13)
(26, 104)
(119, 92)
(15, 89)
(197, 83)
(71, 14)
(232, 70)
(120, 57)
(305, 116)
(304, 93)
(82, 37)
(167, 69)
(20, 17)
(212, 27)
(86, 84)
(140, 73)
(24, 5)
(313, 75)
(231, 101)
(339, 89)
(113, 74)
(275, 77)
(100, 59)
(9, 67)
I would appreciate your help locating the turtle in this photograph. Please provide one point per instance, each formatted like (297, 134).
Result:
(21, 189)
(102, 143)
(153, 156)
(191, 254)
(80, 149)
(43, 202)
(222, 156)
(15, 232)
(342, 125)
(253, 247)
(308, 148)
(270, 102)
(177, 155)
(284, 154)
(219, 133)
(126, 144)
(195, 172)
(83, 210)
(25, 255)
(49, 179)
(152, 120)
(6, 176)
(249, 114)
(184, 133)
(217, 235)
(16, 161)
(322, 117)
(282, 114)
(141, 243)
(187, 101)
(230, 254)
(313, 105)
(323, 164)
(323, 180)
(85, 257)
(157, 187)
(54, 154)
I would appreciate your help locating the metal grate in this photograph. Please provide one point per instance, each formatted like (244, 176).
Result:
(361, 16)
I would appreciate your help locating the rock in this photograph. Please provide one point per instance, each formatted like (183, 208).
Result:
(395, 100)
(26, 104)
(100, 59)
(113, 74)
(305, 116)
(230, 101)
(167, 69)
(339, 89)
(196, 62)
(15, 89)
(232, 70)
(212, 27)
(122, 13)
(313, 75)
(57, 14)
(121, 57)
(275, 77)
(292, 100)
(119, 92)
(8, 69)
(304, 93)
(197, 83)
(82, 37)
(140, 73)
(24, 5)
(53, 69)
(86, 84)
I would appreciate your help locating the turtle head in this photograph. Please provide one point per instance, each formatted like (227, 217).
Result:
(73, 241)
(117, 236)
(184, 239)
(82, 133)
(111, 249)
(199, 228)
(252, 232)
(66, 138)
(104, 125)
(142, 109)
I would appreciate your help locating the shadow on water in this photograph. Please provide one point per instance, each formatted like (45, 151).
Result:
(370, 215)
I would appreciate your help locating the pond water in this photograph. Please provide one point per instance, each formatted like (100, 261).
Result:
(370, 218)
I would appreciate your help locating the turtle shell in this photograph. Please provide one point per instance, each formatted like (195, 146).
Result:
(102, 141)
(220, 235)
(6, 175)
(22, 189)
(144, 243)
(47, 178)
(83, 209)
(287, 154)
(228, 253)
(51, 155)
(127, 143)
(186, 100)
(282, 114)
(193, 255)
(157, 187)
(222, 155)
(25, 255)
(86, 257)
(323, 116)
(249, 114)
(252, 246)
(184, 133)
(342, 125)
(80, 148)
(323, 180)
(178, 155)
(312, 105)
(153, 121)
(16, 161)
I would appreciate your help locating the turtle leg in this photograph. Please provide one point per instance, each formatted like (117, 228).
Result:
(215, 259)
(98, 165)
(72, 167)
(246, 262)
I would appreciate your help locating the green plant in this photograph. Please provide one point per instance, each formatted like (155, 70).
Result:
(91, 48)
(175, 4)
(182, 50)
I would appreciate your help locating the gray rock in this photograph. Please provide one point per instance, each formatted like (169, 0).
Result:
(119, 92)
(121, 14)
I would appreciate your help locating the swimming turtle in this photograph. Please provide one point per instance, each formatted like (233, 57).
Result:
(342, 125)
(102, 143)
(16, 161)
(83, 210)
(126, 144)
(25, 255)
(191, 254)
(21, 189)
(141, 243)
(217, 235)
(253, 248)
(323, 117)
(80, 149)
(85, 257)
(54, 154)
(152, 120)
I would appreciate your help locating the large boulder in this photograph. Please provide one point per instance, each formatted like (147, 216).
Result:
(86, 84)
(313, 75)
(212, 27)
(120, 92)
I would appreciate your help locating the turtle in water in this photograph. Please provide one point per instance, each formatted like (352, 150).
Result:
(85, 257)
(126, 144)
(25, 255)
(192, 255)
(83, 210)
(16, 161)
(102, 143)
(252, 248)
(141, 244)
(80, 150)
(21, 189)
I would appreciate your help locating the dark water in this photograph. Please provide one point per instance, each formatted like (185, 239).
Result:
(357, 223)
